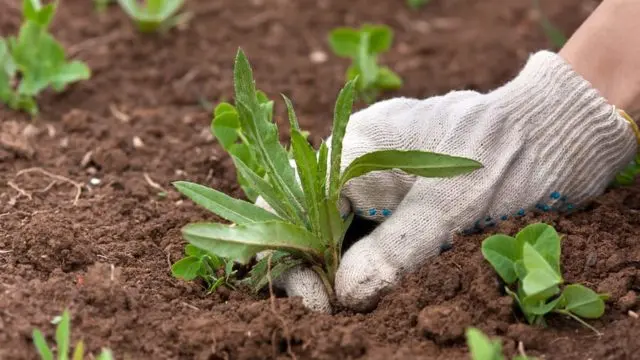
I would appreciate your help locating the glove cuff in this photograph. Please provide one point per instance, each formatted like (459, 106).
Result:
(570, 127)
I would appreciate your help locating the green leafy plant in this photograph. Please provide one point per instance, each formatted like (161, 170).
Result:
(306, 226)
(416, 4)
(363, 46)
(483, 348)
(226, 128)
(63, 335)
(154, 15)
(214, 270)
(531, 263)
(34, 61)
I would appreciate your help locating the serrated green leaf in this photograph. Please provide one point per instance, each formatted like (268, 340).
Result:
(582, 301)
(501, 252)
(186, 268)
(263, 135)
(62, 336)
(481, 347)
(345, 42)
(386, 79)
(270, 195)
(380, 38)
(234, 210)
(342, 112)
(307, 166)
(421, 163)
(242, 242)
(41, 345)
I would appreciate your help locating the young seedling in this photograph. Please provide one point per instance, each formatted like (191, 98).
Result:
(416, 4)
(363, 46)
(102, 5)
(197, 263)
(63, 334)
(154, 15)
(529, 264)
(306, 226)
(483, 348)
(34, 61)
(555, 35)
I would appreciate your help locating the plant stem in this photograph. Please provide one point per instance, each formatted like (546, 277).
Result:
(576, 318)
(325, 279)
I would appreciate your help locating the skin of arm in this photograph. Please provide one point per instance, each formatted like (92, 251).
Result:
(605, 50)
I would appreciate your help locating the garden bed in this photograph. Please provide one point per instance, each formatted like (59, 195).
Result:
(142, 122)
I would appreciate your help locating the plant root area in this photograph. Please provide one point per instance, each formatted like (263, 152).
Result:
(143, 120)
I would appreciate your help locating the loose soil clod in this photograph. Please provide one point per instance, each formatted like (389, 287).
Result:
(49, 245)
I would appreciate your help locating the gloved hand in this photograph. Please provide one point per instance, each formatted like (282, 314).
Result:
(547, 140)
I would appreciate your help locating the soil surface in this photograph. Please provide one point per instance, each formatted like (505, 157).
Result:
(142, 122)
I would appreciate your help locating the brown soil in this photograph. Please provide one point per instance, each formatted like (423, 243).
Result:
(107, 256)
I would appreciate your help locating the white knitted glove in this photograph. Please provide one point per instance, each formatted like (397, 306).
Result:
(547, 140)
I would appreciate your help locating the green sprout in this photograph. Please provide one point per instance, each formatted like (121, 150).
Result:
(628, 175)
(306, 226)
(553, 33)
(214, 270)
(63, 335)
(416, 4)
(483, 348)
(102, 5)
(34, 61)
(531, 263)
(154, 15)
(363, 46)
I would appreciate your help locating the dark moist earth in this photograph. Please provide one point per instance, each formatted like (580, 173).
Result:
(139, 124)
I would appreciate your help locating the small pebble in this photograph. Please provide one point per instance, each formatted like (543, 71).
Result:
(95, 181)
(318, 57)
(137, 142)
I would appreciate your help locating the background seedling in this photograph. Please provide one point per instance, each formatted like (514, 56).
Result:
(214, 270)
(154, 15)
(416, 4)
(63, 335)
(102, 5)
(531, 263)
(34, 61)
(363, 46)
(306, 226)
(483, 348)
(555, 35)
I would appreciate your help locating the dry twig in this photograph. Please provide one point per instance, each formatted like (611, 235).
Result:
(56, 178)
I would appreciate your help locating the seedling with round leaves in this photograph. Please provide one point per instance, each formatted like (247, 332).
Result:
(212, 269)
(154, 15)
(34, 61)
(306, 226)
(363, 46)
(529, 264)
